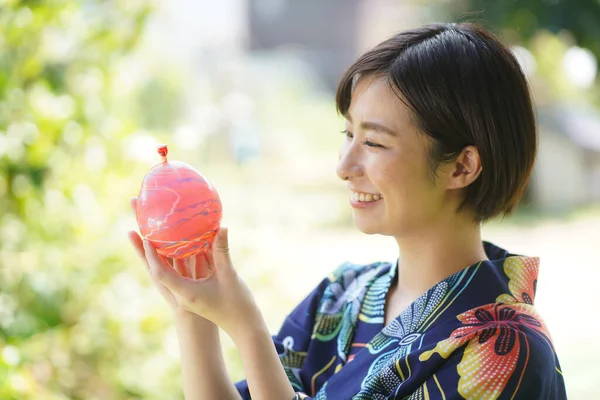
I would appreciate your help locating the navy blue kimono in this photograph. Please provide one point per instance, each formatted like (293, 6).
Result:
(474, 335)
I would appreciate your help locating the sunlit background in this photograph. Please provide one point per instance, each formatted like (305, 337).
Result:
(243, 90)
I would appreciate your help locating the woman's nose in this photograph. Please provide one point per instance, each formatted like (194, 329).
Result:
(348, 166)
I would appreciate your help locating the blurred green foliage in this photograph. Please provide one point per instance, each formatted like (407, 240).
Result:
(73, 324)
(527, 17)
(548, 29)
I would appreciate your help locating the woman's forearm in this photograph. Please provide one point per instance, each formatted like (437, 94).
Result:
(265, 375)
(203, 368)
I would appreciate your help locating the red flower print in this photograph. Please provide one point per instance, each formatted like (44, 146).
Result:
(491, 334)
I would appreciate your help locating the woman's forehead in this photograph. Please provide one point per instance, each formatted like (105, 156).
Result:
(374, 98)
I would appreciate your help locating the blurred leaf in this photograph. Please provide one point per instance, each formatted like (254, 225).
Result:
(61, 278)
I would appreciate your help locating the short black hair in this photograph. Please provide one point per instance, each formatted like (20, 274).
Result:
(464, 87)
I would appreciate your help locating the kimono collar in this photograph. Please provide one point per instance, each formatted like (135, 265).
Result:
(520, 273)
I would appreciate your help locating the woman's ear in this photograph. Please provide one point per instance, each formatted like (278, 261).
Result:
(465, 169)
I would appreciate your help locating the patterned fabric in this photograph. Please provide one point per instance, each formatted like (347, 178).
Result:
(474, 335)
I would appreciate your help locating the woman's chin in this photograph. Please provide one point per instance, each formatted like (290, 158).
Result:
(367, 227)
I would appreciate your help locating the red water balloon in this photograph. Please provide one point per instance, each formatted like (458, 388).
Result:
(178, 210)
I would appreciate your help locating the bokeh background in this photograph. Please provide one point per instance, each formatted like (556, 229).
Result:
(243, 90)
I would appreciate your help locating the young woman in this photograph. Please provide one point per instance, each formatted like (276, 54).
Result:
(440, 137)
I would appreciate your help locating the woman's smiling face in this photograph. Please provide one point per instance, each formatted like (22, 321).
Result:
(385, 158)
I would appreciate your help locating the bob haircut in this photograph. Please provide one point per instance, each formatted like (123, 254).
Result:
(464, 88)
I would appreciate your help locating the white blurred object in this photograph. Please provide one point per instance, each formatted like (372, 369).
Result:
(580, 66)
(526, 60)
(54, 201)
(57, 44)
(95, 157)
(50, 106)
(72, 133)
(186, 137)
(10, 355)
(238, 104)
(205, 121)
(130, 74)
(88, 83)
(141, 146)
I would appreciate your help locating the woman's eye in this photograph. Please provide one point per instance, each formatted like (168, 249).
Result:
(350, 135)
(371, 144)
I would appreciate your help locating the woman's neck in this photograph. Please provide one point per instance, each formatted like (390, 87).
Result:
(435, 253)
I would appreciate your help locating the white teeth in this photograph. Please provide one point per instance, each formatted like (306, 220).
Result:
(365, 197)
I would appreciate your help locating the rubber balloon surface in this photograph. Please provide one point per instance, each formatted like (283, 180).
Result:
(178, 210)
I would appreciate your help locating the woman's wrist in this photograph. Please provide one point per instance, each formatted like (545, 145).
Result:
(248, 323)
(251, 334)
(185, 318)
(264, 372)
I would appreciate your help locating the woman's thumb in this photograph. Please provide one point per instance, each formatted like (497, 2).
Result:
(221, 246)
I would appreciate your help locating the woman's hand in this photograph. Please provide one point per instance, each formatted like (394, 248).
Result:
(195, 266)
(217, 293)
(202, 364)
(221, 297)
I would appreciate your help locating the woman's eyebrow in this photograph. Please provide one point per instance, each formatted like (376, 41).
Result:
(373, 126)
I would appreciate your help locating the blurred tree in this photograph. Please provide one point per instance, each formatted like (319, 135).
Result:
(71, 321)
(527, 17)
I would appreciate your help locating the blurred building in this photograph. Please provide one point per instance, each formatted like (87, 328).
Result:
(567, 173)
(328, 35)
(323, 33)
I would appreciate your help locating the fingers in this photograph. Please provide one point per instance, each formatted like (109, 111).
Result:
(135, 239)
(186, 267)
(220, 253)
(222, 240)
(203, 265)
(180, 266)
(163, 272)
